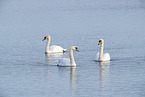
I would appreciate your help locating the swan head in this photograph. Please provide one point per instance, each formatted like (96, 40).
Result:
(46, 37)
(74, 48)
(100, 41)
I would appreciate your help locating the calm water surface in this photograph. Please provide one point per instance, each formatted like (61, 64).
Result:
(25, 71)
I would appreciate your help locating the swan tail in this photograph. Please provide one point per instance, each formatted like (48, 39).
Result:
(64, 50)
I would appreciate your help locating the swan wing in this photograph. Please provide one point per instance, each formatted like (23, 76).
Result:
(106, 57)
(55, 48)
(64, 62)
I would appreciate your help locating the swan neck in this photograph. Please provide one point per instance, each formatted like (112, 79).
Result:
(72, 61)
(101, 52)
(47, 45)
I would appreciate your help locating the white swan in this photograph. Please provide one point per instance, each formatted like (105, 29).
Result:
(69, 62)
(100, 56)
(53, 48)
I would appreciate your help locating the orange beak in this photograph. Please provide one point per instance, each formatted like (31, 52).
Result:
(77, 50)
(44, 39)
(99, 43)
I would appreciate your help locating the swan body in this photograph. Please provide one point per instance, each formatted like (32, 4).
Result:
(53, 48)
(69, 62)
(100, 56)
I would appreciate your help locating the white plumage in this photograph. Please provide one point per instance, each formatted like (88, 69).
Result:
(100, 56)
(68, 62)
(53, 48)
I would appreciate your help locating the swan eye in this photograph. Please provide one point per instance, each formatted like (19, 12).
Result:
(99, 40)
(76, 47)
(45, 37)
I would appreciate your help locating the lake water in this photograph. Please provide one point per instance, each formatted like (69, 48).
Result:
(25, 70)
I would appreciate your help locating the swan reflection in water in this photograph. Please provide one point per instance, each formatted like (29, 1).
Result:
(69, 72)
(72, 75)
(72, 80)
(104, 76)
(53, 58)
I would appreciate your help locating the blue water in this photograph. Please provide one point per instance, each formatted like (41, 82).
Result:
(25, 70)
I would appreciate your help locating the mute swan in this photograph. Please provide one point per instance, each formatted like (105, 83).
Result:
(53, 48)
(69, 62)
(100, 56)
